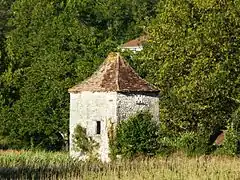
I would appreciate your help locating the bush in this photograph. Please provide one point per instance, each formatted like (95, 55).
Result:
(81, 142)
(193, 143)
(4, 142)
(9, 143)
(167, 145)
(135, 136)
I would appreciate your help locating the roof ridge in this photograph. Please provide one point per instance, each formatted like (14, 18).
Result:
(114, 74)
(134, 72)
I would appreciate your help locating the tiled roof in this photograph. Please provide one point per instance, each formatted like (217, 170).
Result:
(135, 42)
(115, 74)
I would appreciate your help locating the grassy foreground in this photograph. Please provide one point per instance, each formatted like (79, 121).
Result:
(43, 165)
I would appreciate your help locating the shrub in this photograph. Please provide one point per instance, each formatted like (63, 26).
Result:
(137, 135)
(167, 145)
(9, 143)
(3, 143)
(81, 142)
(193, 143)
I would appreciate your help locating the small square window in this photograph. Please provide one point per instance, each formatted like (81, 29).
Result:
(98, 128)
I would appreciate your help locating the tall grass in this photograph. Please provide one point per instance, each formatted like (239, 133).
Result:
(45, 165)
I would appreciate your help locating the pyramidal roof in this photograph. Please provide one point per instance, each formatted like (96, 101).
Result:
(115, 75)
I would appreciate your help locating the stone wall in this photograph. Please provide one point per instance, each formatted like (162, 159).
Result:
(86, 108)
(129, 103)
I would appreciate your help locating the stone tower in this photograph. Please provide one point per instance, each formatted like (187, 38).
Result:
(110, 95)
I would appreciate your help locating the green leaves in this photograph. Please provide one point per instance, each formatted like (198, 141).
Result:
(193, 45)
(52, 46)
(82, 143)
(137, 135)
(47, 45)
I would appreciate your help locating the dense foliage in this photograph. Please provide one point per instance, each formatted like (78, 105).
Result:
(138, 135)
(81, 142)
(192, 55)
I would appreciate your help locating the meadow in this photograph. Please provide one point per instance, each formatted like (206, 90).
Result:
(23, 165)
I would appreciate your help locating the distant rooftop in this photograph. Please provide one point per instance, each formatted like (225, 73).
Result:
(134, 43)
(115, 74)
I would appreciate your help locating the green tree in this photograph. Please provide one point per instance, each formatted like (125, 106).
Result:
(119, 20)
(50, 50)
(4, 28)
(4, 15)
(5, 86)
(192, 55)
(52, 46)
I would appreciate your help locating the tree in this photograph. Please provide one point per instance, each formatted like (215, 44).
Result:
(4, 15)
(52, 46)
(49, 50)
(119, 19)
(192, 55)
(5, 85)
(4, 28)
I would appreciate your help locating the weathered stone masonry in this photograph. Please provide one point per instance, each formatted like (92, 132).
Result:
(131, 102)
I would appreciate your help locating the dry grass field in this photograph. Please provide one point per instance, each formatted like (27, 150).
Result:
(42, 165)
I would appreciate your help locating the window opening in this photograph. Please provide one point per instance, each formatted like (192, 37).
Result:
(98, 130)
(139, 99)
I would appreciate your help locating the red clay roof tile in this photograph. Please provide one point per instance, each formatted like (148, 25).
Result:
(135, 42)
(115, 74)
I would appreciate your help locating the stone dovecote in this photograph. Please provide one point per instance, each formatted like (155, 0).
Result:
(113, 93)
